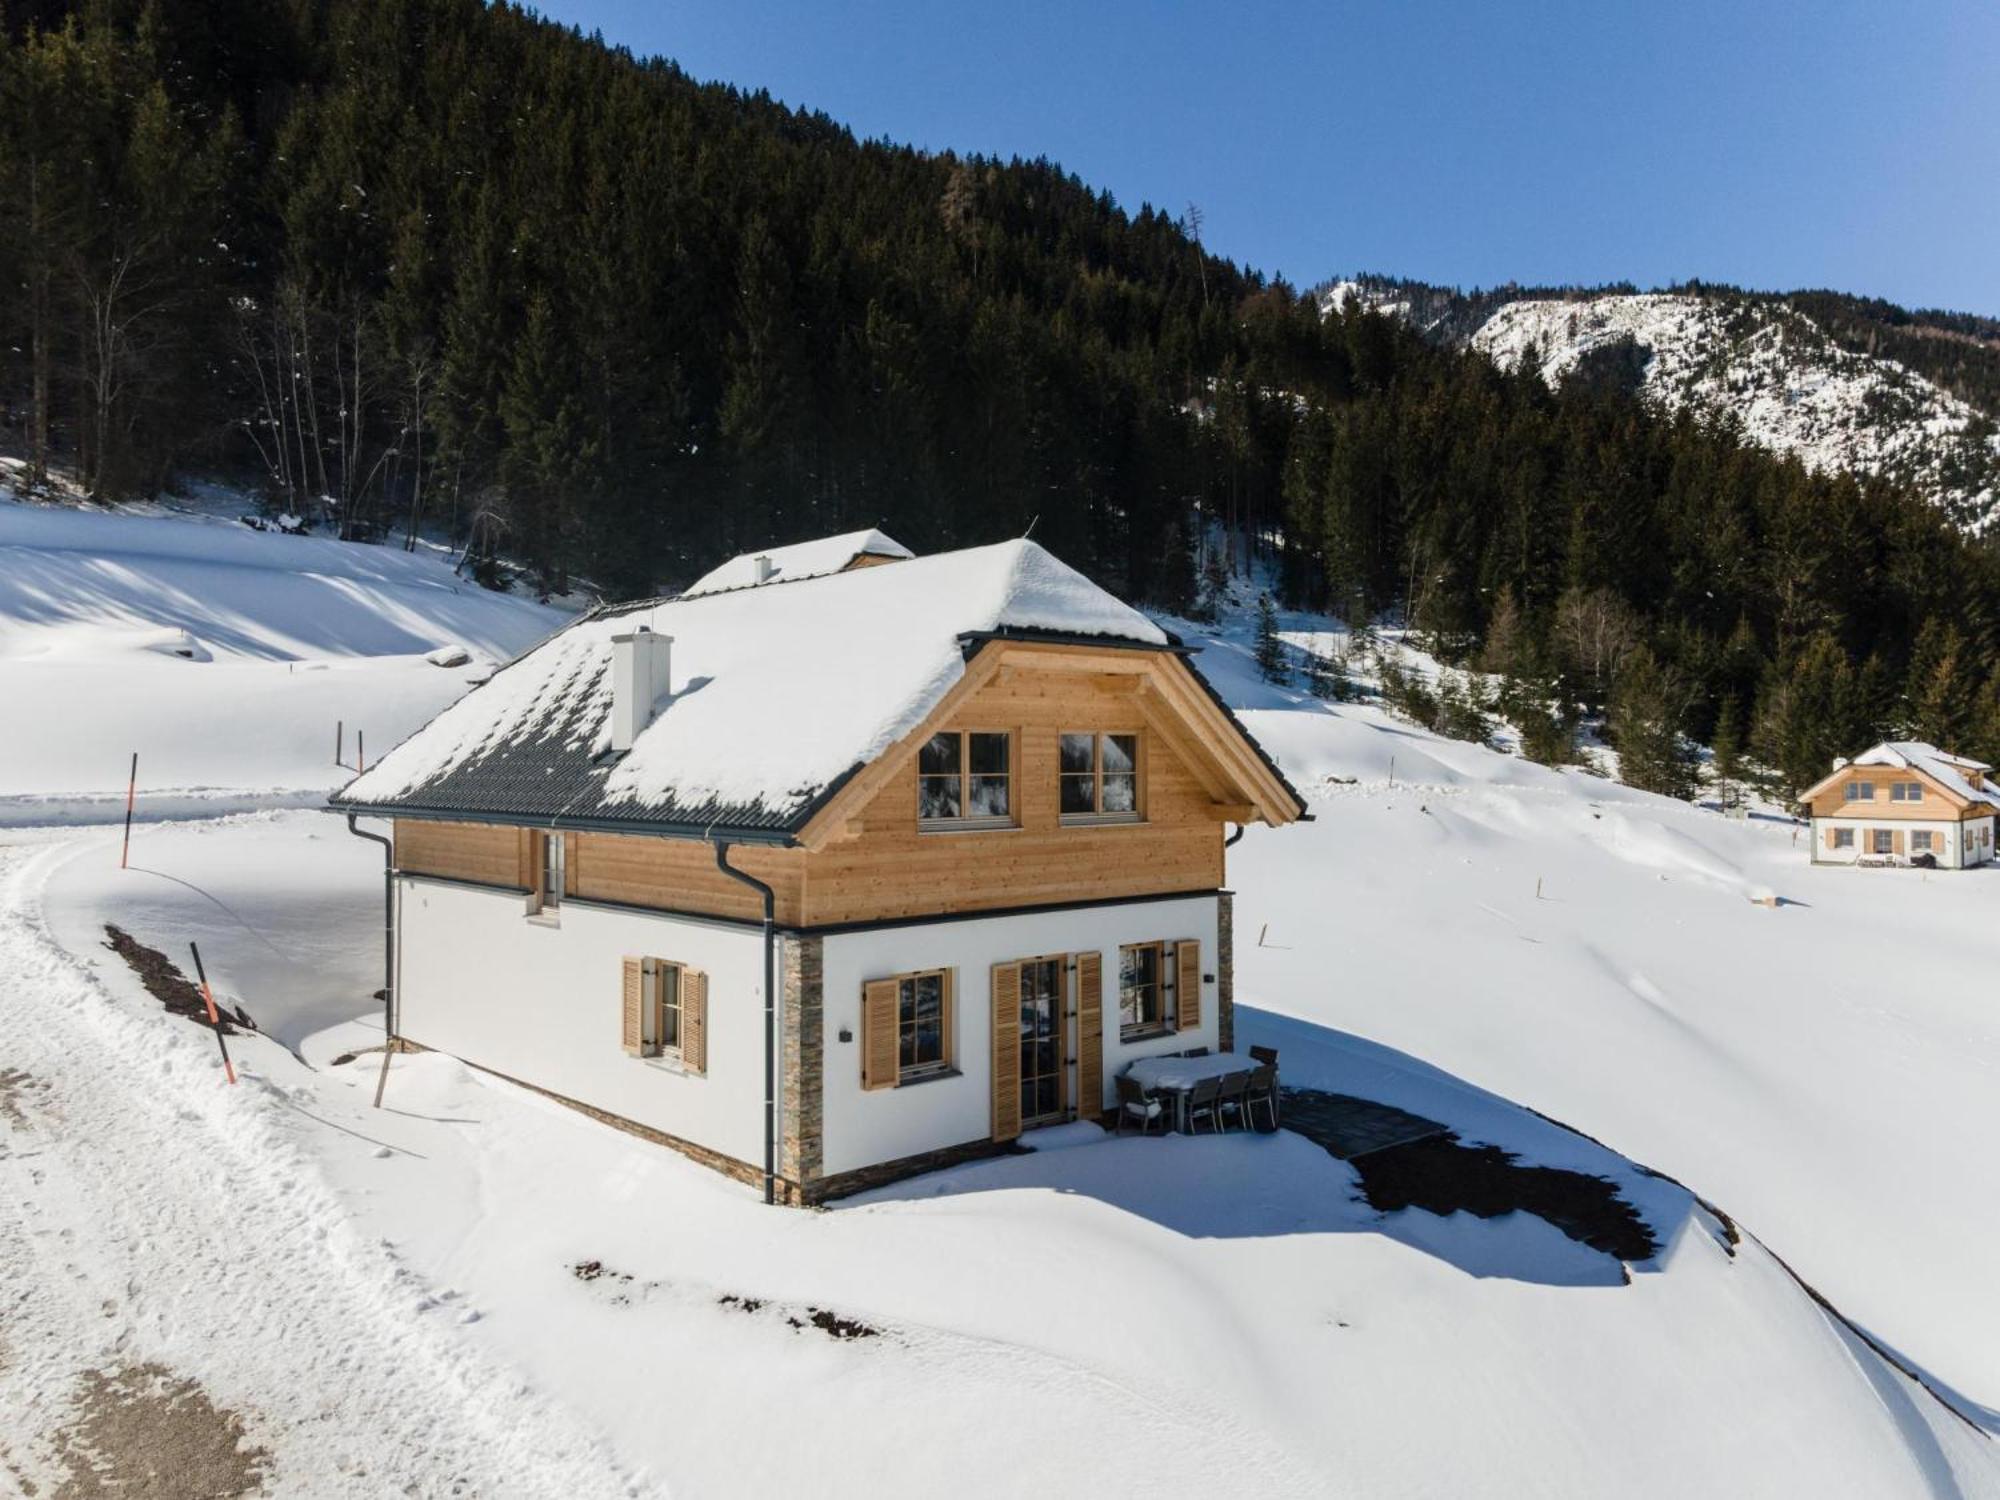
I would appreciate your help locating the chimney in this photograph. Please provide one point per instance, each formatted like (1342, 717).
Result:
(1839, 762)
(762, 569)
(639, 680)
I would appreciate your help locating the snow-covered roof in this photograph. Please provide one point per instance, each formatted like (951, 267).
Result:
(1946, 769)
(776, 695)
(814, 559)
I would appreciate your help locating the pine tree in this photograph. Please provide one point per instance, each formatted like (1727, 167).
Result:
(1271, 663)
(1646, 715)
(1726, 756)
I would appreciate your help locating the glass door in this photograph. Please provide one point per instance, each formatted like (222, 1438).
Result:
(1044, 988)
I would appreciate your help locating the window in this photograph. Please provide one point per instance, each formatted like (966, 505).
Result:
(906, 1028)
(964, 777)
(1843, 838)
(1142, 1001)
(1860, 791)
(920, 1024)
(1881, 841)
(1100, 777)
(548, 854)
(1920, 841)
(666, 1012)
(1906, 791)
(666, 1004)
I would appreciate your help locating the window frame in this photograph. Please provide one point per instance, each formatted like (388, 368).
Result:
(946, 1065)
(1165, 1025)
(1860, 791)
(1097, 817)
(1906, 791)
(1881, 841)
(1929, 844)
(656, 1005)
(965, 821)
(544, 906)
(1843, 838)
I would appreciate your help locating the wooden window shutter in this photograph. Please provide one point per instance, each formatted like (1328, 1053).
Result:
(570, 841)
(1896, 841)
(1187, 984)
(1089, 1036)
(635, 1007)
(878, 1034)
(1829, 835)
(694, 1020)
(525, 858)
(1006, 1051)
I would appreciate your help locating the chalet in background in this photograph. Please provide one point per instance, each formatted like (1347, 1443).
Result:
(847, 862)
(1903, 803)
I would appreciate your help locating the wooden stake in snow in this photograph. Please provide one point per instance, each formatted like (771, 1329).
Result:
(339, 739)
(131, 790)
(382, 1078)
(214, 1019)
(360, 751)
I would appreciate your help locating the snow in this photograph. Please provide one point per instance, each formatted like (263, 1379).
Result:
(1770, 369)
(861, 657)
(813, 559)
(225, 657)
(390, 1297)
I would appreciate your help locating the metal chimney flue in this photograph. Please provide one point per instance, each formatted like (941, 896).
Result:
(640, 679)
(763, 567)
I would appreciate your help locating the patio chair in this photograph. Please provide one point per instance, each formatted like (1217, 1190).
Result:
(1232, 1100)
(1201, 1101)
(1267, 1055)
(1135, 1104)
(1263, 1094)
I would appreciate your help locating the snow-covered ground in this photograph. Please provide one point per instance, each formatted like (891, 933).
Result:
(390, 1300)
(224, 657)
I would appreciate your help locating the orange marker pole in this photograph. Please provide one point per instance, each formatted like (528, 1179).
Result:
(131, 790)
(214, 1018)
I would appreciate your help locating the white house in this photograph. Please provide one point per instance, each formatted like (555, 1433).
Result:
(864, 865)
(1902, 803)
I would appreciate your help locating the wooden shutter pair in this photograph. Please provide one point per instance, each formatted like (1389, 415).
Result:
(1007, 1044)
(642, 976)
(1187, 984)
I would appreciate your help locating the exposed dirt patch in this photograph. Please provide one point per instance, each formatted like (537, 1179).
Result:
(16, 1088)
(166, 983)
(144, 1433)
(1444, 1175)
(832, 1324)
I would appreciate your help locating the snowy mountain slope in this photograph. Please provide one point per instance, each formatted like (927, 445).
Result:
(224, 656)
(394, 1294)
(1188, 1312)
(1755, 361)
(1824, 1069)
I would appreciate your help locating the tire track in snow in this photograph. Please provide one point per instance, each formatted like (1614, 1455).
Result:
(147, 1213)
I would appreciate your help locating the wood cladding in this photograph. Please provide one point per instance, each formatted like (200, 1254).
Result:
(886, 868)
(1831, 800)
(483, 852)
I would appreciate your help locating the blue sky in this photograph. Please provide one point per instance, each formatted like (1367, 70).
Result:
(1774, 145)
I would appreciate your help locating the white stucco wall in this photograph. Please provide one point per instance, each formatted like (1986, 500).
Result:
(1956, 845)
(863, 1128)
(544, 1004)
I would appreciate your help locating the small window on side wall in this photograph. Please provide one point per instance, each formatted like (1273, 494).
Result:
(907, 1028)
(1100, 778)
(666, 1012)
(965, 779)
(1843, 838)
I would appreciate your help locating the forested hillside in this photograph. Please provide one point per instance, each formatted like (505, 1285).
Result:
(429, 262)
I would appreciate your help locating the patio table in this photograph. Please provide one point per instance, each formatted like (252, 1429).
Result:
(1177, 1076)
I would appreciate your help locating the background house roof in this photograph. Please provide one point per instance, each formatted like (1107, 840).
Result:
(1947, 770)
(814, 559)
(777, 695)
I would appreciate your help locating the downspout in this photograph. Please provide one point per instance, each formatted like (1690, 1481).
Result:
(388, 930)
(1241, 829)
(770, 1014)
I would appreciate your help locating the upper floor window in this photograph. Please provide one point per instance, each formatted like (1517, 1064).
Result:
(1100, 777)
(1860, 791)
(1906, 791)
(965, 777)
(548, 854)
